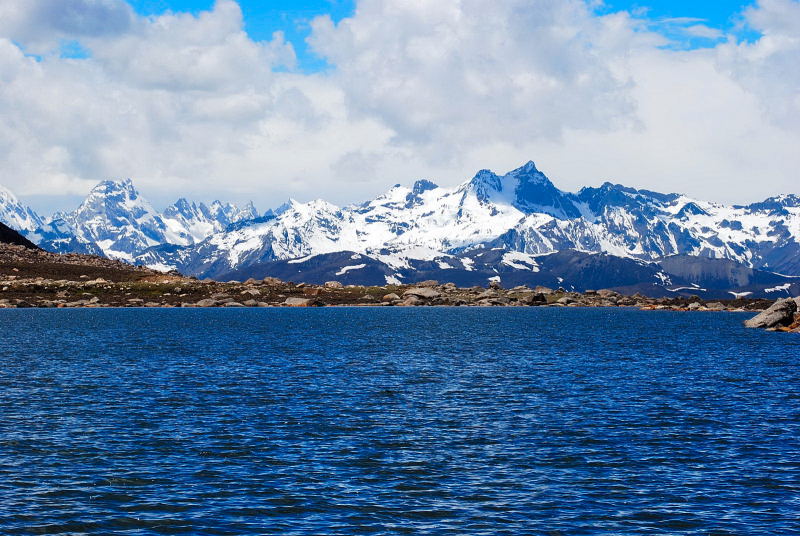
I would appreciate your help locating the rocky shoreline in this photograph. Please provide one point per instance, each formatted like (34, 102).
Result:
(35, 278)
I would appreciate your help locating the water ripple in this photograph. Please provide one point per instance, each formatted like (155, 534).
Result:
(397, 421)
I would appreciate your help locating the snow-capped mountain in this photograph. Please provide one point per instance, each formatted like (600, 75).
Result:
(116, 221)
(15, 214)
(521, 211)
(426, 229)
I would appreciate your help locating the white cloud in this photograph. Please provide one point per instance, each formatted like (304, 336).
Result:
(706, 32)
(190, 104)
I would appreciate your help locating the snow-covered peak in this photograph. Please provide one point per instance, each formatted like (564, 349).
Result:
(16, 215)
(484, 185)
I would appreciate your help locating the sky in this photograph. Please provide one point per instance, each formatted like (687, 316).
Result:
(340, 99)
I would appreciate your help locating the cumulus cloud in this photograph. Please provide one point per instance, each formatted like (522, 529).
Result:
(466, 71)
(190, 104)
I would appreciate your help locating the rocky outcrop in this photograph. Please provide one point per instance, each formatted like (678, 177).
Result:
(779, 314)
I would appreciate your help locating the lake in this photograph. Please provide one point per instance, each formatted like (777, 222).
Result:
(349, 421)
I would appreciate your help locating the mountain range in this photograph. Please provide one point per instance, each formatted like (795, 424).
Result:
(516, 228)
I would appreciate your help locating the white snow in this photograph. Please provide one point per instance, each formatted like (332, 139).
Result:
(301, 260)
(393, 279)
(346, 269)
(520, 261)
(779, 288)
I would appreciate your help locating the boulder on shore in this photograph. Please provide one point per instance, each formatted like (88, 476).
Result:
(780, 313)
(300, 302)
(422, 292)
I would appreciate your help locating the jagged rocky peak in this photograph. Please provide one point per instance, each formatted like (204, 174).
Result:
(609, 196)
(777, 204)
(186, 209)
(415, 196)
(275, 212)
(114, 198)
(423, 185)
(111, 188)
(484, 184)
(690, 209)
(534, 192)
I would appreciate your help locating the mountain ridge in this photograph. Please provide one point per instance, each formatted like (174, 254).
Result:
(521, 213)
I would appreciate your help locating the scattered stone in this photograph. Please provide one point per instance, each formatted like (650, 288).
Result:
(333, 284)
(392, 297)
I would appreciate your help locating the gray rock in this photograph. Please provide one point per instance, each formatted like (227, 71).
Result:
(391, 297)
(536, 298)
(233, 304)
(780, 313)
(606, 293)
(208, 302)
(422, 292)
(299, 302)
(411, 301)
(715, 306)
(333, 284)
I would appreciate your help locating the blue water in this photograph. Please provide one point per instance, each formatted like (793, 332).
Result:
(397, 421)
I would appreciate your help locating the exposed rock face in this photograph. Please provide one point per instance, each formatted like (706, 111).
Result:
(781, 313)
